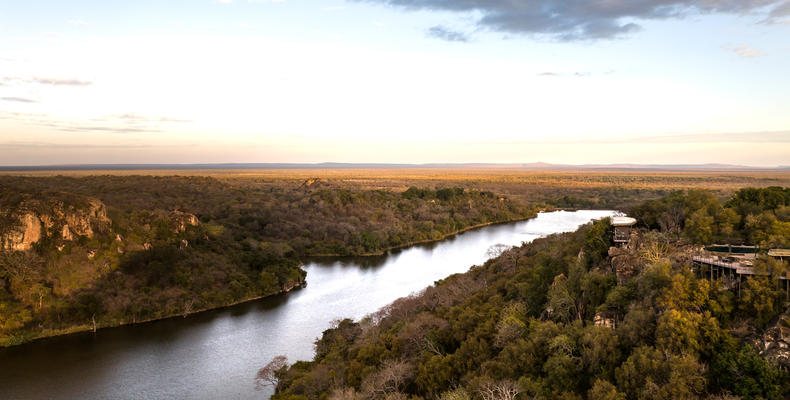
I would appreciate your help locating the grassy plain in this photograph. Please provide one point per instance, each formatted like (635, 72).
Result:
(587, 187)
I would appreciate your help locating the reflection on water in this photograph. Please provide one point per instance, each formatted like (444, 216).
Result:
(216, 354)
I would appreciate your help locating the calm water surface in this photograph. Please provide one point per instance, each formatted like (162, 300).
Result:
(215, 355)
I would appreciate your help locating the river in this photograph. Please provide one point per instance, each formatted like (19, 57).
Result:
(215, 354)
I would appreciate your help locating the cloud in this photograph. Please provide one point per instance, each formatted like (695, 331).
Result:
(740, 137)
(60, 82)
(576, 74)
(569, 20)
(747, 52)
(121, 123)
(108, 129)
(59, 146)
(48, 81)
(441, 32)
(18, 99)
(698, 138)
(136, 118)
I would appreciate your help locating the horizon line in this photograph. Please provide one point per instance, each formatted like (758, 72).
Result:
(341, 165)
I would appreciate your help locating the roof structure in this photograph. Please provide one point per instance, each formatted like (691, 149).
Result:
(779, 252)
(623, 221)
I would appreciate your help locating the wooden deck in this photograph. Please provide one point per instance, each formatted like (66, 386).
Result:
(734, 266)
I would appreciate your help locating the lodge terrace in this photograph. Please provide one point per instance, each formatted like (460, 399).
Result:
(733, 263)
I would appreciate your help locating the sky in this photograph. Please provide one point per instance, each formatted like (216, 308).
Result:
(395, 81)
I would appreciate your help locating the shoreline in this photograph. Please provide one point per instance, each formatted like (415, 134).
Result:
(426, 241)
(87, 328)
(79, 329)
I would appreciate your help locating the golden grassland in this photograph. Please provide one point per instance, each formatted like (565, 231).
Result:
(507, 181)
(653, 178)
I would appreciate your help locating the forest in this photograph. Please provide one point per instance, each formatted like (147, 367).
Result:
(552, 319)
(138, 248)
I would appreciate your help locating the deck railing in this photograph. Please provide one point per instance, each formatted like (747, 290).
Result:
(739, 268)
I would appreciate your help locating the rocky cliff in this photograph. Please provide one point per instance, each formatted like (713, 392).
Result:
(774, 342)
(27, 222)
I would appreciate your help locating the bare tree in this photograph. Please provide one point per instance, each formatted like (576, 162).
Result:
(456, 288)
(345, 394)
(672, 220)
(268, 375)
(508, 255)
(497, 250)
(390, 379)
(502, 390)
(653, 250)
(417, 334)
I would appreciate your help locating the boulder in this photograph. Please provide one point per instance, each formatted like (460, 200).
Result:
(605, 319)
(180, 221)
(66, 233)
(773, 343)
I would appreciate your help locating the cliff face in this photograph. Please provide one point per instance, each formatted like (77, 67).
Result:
(26, 232)
(774, 342)
(33, 220)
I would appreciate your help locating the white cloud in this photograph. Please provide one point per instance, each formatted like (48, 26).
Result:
(747, 52)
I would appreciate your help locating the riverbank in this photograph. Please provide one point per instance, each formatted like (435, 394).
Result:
(443, 237)
(15, 341)
(216, 354)
(99, 327)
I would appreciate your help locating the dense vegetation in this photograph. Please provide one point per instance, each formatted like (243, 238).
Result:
(248, 243)
(523, 325)
(752, 216)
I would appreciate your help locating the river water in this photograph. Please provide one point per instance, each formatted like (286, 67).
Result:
(215, 354)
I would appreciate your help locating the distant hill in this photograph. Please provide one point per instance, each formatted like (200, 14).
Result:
(673, 167)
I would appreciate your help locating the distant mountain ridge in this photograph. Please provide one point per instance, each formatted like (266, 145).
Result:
(334, 165)
(708, 166)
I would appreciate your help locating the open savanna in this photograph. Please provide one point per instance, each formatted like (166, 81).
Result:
(559, 187)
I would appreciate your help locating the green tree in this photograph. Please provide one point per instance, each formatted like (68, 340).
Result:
(699, 227)
(761, 299)
(604, 390)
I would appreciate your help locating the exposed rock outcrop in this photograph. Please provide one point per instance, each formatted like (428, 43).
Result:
(66, 233)
(625, 263)
(181, 220)
(35, 219)
(26, 232)
(605, 319)
(774, 343)
(313, 184)
(82, 221)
